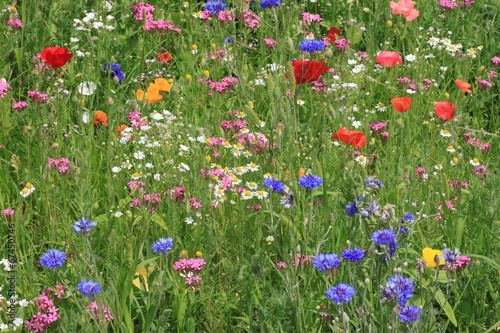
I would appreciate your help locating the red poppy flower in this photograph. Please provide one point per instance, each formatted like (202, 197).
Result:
(164, 56)
(464, 86)
(355, 138)
(306, 71)
(56, 56)
(388, 58)
(401, 104)
(333, 33)
(445, 110)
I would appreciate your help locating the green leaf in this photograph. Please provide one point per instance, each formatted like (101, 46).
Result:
(158, 220)
(445, 305)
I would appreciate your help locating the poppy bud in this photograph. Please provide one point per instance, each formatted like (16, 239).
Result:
(366, 10)
(94, 38)
(400, 123)
(490, 212)
(329, 53)
(203, 62)
(290, 44)
(110, 101)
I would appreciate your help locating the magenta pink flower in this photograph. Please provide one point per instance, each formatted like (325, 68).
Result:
(19, 106)
(405, 7)
(270, 43)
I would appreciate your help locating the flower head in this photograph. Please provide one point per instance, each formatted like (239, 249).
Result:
(326, 261)
(164, 56)
(269, 3)
(310, 182)
(215, 6)
(311, 45)
(56, 56)
(353, 255)
(84, 225)
(100, 117)
(274, 184)
(450, 256)
(332, 34)
(388, 58)
(306, 71)
(341, 293)
(464, 86)
(372, 182)
(410, 313)
(399, 288)
(89, 288)
(355, 138)
(385, 236)
(445, 110)
(401, 104)
(53, 258)
(163, 245)
(405, 7)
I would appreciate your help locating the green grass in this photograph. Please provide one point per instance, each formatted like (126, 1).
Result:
(242, 287)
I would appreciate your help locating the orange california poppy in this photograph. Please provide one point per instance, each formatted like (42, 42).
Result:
(464, 86)
(401, 104)
(445, 110)
(100, 117)
(355, 138)
(163, 85)
(151, 96)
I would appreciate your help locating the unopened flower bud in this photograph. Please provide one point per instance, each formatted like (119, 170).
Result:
(110, 101)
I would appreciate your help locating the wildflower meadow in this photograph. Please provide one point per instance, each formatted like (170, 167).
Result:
(250, 166)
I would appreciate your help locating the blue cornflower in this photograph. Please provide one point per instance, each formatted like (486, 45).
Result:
(405, 220)
(450, 257)
(89, 288)
(274, 184)
(311, 181)
(373, 182)
(385, 236)
(325, 261)
(352, 209)
(372, 209)
(215, 6)
(163, 245)
(354, 255)
(342, 292)
(53, 259)
(311, 45)
(410, 313)
(228, 39)
(399, 288)
(269, 3)
(114, 71)
(113, 67)
(84, 225)
(288, 200)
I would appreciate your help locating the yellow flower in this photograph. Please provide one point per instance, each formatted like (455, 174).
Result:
(198, 254)
(389, 23)
(429, 254)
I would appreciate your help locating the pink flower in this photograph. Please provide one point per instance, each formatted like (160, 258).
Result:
(270, 43)
(19, 106)
(405, 7)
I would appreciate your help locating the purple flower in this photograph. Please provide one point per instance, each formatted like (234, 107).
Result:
(342, 292)
(215, 6)
(326, 261)
(385, 236)
(450, 257)
(310, 182)
(311, 45)
(269, 3)
(410, 313)
(53, 259)
(84, 225)
(373, 182)
(274, 184)
(89, 288)
(353, 255)
(399, 288)
(163, 245)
